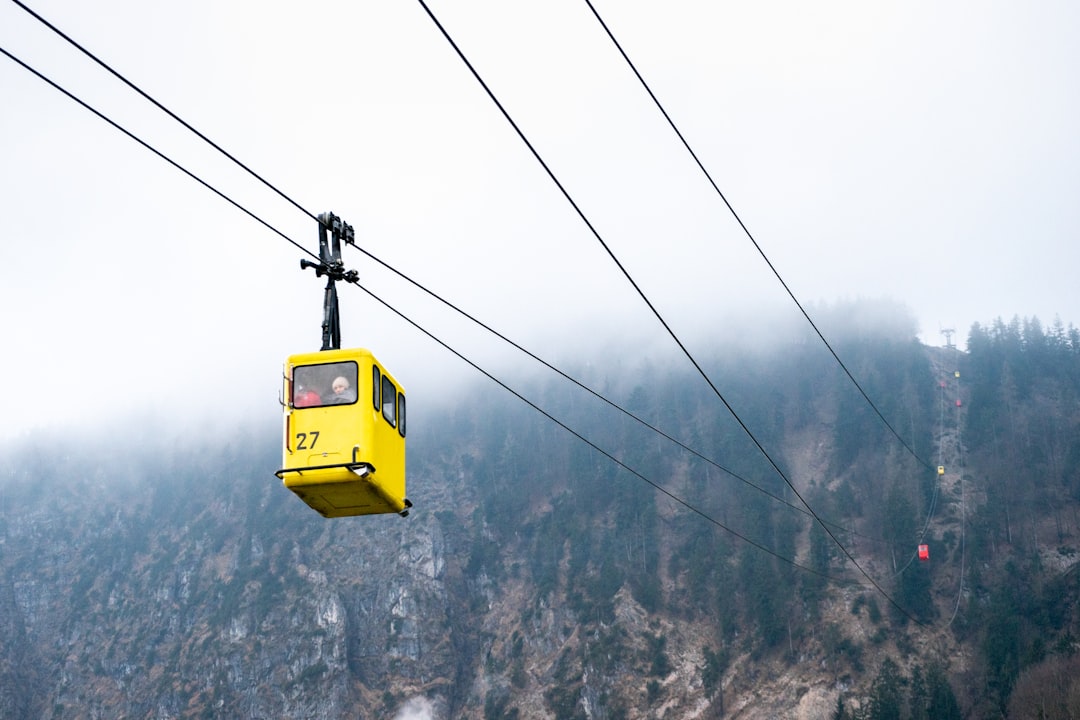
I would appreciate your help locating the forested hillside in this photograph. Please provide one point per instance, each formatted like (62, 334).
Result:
(597, 569)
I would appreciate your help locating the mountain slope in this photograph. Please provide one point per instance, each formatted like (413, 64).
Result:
(537, 579)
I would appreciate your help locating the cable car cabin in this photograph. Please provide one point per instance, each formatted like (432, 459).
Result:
(924, 552)
(344, 434)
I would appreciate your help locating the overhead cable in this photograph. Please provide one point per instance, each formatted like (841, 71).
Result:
(963, 503)
(565, 193)
(252, 215)
(160, 154)
(120, 76)
(656, 313)
(600, 396)
(161, 107)
(307, 212)
(597, 448)
(746, 230)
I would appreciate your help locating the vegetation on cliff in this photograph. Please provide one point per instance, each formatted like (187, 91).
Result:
(153, 577)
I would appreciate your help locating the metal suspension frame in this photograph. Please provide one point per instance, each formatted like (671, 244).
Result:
(331, 265)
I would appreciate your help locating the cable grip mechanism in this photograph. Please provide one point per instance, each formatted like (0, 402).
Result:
(332, 230)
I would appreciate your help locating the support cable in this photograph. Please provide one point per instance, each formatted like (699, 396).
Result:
(157, 152)
(926, 526)
(932, 508)
(963, 508)
(164, 109)
(319, 219)
(600, 396)
(600, 450)
(655, 312)
(746, 230)
(313, 216)
(352, 279)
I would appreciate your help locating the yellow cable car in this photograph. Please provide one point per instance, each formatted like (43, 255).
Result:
(344, 448)
(344, 451)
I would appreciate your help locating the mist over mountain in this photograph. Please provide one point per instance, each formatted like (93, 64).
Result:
(147, 574)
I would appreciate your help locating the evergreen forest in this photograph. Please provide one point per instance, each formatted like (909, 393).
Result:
(635, 550)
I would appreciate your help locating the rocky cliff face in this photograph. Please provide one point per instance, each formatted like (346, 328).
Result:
(531, 581)
(178, 588)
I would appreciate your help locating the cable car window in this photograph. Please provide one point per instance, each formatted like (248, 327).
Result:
(326, 384)
(389, 399)
(401, 414)
(376, 380)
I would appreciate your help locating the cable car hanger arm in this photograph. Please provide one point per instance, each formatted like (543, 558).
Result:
(331, 265)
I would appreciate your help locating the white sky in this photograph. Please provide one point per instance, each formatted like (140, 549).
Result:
(922, 152)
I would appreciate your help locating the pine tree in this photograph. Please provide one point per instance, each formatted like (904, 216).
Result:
(886, 701)
(942, 701)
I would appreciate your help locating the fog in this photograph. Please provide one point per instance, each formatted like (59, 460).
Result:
(920, 156)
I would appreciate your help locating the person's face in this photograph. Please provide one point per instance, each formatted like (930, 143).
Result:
(339, 386)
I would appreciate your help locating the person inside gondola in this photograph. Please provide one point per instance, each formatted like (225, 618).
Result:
(343, 392)
(306, 397)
